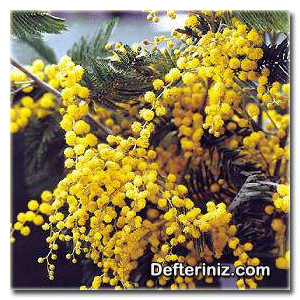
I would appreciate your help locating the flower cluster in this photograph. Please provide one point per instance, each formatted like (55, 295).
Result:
(282, 198)
(266, 150)
(106, 219)
(28, 108)
(22, 81)
(213, 64)
(127, 197)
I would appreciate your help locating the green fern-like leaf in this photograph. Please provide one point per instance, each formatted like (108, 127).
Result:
(265, 21)
(34, 23)
(110, 86)
(118, 80)
(225, 164)
(85, 49)
(277, 58)
(162, 61)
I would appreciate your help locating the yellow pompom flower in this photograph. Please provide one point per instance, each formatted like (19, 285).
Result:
(282, 263)
(173, 75)
(33, 205)
(158, 84)
(147, 114)
(149, 97)
(81, 127)
(25, 231)
(14, 127)
(46, 196)
(191, 21)
(27, 101)
(38, 65)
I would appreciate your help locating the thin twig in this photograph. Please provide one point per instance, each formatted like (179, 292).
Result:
(267, 113)
(53, 91)
(36, 79)
(20, 89)
(101, 126)
(262, 105)
(24, 82)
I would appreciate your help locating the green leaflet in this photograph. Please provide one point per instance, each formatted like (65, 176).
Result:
(265, 21)
(115, 81)
(85, 49)
(34, 23)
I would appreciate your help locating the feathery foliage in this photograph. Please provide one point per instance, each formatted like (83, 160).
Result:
(131, 75)
(110, 87)
(265, 21)
(34, 23)
(85, 49)
(276, 59)
(225, 164)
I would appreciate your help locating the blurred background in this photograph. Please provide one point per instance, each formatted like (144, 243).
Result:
(133, 27)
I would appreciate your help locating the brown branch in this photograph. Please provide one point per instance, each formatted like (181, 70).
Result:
(36, 79)
(100, 125)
